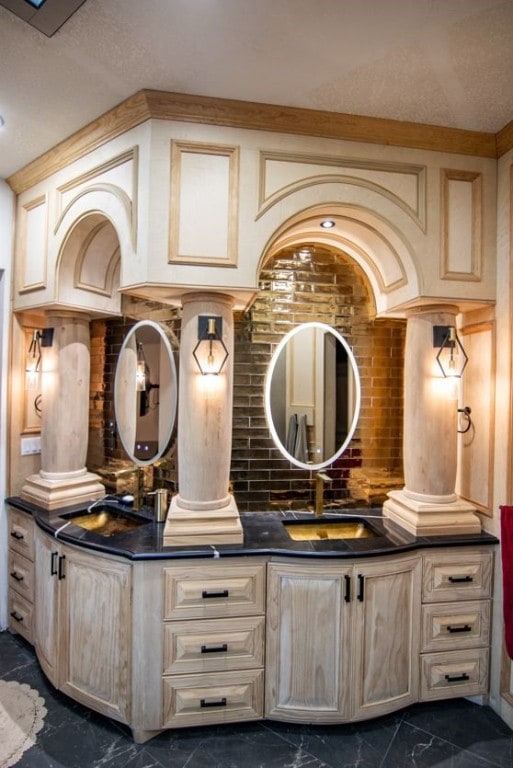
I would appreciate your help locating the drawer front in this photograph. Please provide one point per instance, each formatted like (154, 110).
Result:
(221, 697)
(455, 673)
(21, 575)
(451, 626)
(213, 645)
(21, 533)
(465, 576)
(20, 615)
(210, 591)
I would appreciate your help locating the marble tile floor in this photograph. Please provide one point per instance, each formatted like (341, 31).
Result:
(450, 734)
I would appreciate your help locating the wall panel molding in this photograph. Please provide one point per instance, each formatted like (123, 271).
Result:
(461, 225)
(32, 246)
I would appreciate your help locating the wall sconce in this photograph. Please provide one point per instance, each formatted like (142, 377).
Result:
(142, 371)
(39, 339)
(210, 352)
(451, 356)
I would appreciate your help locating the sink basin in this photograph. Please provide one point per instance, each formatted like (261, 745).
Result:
(105, 521)
(316, 530)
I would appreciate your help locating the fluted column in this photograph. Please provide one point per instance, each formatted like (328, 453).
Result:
(204, 511)
(63, 479)
(428, 503)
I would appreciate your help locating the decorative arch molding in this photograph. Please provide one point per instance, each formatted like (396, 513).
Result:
(100, 189)
(404, 184)
(373, 242)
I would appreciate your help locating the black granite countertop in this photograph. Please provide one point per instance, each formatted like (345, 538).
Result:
(264, 534)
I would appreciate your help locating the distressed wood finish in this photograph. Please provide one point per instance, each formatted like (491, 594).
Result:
(444, 624)
(461, 673)
(21, 573)
(449, 576)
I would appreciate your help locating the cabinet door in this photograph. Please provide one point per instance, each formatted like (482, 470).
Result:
(387, 636)
(46, 604)
(96, 632)
(308, 638)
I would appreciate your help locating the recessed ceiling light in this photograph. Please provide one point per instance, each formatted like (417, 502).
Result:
(327, 223)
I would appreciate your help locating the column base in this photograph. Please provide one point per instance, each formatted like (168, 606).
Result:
(199, 526)
(428, 518)
(61, 490)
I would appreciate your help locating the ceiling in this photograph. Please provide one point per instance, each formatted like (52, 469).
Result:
(443, 62)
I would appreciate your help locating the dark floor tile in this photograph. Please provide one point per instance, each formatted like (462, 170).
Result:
(468, 726)
(414, 748)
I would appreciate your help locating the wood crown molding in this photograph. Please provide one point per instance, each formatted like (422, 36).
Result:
(162, 105)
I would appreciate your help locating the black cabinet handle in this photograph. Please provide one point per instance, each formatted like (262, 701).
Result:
(16, 616)
(53, 569)
(206, 594)
(347, 595)
(219, 703)
(464, 628)
(16, 576)
(17, 535)
(457, 678)
(214, 648)
(61, 574)
(461, 579)
(361, 587)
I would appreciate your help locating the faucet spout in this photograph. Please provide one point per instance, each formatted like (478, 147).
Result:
(320, 479)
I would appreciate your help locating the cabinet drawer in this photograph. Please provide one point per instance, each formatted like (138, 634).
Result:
(450, 626)
(221, 697)
(21, 575)
(467, 576)
(21, 533)
(213, 645)
(209, 591)
(455, 673)
(20, 615)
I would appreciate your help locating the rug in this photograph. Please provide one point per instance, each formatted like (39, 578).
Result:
(22, 714)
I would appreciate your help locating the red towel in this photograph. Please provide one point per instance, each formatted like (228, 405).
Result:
(507, 575)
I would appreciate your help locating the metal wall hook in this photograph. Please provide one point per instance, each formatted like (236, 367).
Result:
(466, 411)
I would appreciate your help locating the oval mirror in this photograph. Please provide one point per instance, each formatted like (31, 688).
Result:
(312, 395)
(145, 392)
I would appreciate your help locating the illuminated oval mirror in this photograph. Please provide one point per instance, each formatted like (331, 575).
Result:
(145, 392)
(312, 395)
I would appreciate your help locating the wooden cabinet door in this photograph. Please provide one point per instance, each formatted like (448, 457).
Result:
(308, 637)
(96, 633)
(46, 604)
(387, 636)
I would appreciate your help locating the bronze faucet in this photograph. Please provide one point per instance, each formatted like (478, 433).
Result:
(138, 494)
(320, 479)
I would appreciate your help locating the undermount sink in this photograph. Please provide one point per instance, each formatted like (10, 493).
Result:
(105, 521)
(317, 530)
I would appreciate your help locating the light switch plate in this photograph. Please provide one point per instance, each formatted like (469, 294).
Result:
(30, 445)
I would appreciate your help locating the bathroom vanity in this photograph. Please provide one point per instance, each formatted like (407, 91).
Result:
(296, 629)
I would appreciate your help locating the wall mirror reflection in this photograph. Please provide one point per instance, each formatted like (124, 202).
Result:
(312, 395)
(145, 392)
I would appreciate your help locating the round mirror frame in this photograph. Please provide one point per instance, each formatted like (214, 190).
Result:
(267, 396)
(164, 442)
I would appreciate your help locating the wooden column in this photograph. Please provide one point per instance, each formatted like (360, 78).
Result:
(63, 479)
(428, 504)
(204, 511)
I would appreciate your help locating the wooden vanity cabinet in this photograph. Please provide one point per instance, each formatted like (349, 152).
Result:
(21, 573)
(456, 620)
(342, 639)
(83, 625)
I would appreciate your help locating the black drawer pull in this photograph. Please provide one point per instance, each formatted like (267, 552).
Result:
(457, 678)
(206, 594)
(17, 535)
(361, 587)
(214, 648)
(464, 628)
(219, 703)
(347, 595)
(61, 574)
(16, 576)
(461, 579)
(17, 616)
(53, 569)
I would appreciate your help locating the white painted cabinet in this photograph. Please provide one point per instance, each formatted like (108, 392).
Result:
(342, 639)
(83, 625)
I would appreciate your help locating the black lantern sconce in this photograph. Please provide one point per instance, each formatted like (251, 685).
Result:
(210, 352)
(451, 356)
(39, 339)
